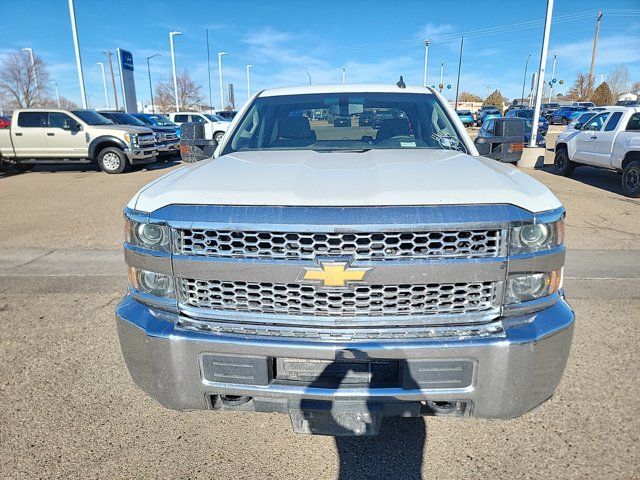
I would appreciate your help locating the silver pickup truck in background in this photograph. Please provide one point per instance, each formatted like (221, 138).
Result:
(70, 136)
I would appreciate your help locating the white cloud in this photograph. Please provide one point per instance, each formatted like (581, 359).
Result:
(612, 50)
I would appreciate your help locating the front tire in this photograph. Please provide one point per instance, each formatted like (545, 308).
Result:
(565, 121)
(631, 180)
(563, 165)
(112, 160)
(217, 137)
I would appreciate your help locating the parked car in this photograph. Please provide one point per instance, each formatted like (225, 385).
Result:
(548, 108)
(157, 120)
(342, 122)
(70, 136)
(466, 117)
(527, 113)
(628, 103)
(5, 122)
(486, 114)
(226, 114)
(584, 105)
(609, 140)
(214, 126)
(566, 114)
(402, 275)
(167, 140)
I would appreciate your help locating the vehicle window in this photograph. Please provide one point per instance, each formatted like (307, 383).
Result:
(92, 118)
(596, 122)
(32, 119)
(398, 121)
(59, 120)
(159, 120)
(197, 119)
(124, 118)
(144, 120)
(613, 121)
(634, 123)
(491, 127)
(181, 118)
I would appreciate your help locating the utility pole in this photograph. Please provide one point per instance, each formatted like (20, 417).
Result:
(249, 81)
(76, 44)
(427, 42)
(104, 84)
(524, 79)
(553, 76)
(153, 108)
(209, 73)
(344, 75)
(220, 54)
(57, 95)
(173, 67)
(35, 73)
(459, 68)
(595, 49)
(533, 92)
(113, 77)
(308, 75)
(441, 75)
(541, 71)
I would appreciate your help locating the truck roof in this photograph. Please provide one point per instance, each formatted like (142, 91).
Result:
(343, 88)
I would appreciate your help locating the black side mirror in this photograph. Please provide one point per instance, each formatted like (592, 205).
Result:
(577, 126)
(482, 145)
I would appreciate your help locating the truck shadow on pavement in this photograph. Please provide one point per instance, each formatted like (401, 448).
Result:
(397, 450)
(595, 177)
(87, 167)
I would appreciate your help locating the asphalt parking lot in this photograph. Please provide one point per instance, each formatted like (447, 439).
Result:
(70, 409)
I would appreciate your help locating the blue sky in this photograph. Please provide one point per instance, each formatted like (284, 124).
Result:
(376, 40)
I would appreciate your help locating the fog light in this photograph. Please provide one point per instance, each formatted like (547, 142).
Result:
(151, 283)
(531, 286)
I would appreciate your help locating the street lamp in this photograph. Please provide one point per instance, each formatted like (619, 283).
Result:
(76, 45)
(441, 75)
(344, 75)
(173, 66)
(427, 42)
(308, 75)
(57, 95)
(524, 79)
(33, 67)
(220, 54)
(104, 83)
(153, 108)
(249, 81)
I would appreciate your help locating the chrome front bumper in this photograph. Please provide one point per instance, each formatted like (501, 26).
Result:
(169, 147)
(510, 372)
(139, 156)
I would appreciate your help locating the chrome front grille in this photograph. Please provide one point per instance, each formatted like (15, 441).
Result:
(358, 246)
(361, 301)
(146, 140)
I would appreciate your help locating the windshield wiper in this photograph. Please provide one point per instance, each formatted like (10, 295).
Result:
(346, 150)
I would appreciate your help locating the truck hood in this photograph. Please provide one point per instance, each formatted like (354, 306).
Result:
(373, 178)
(123, 128)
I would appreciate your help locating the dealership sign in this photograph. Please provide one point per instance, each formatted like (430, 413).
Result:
(125, 64)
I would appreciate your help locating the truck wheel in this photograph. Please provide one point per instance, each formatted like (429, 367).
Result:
(564, 166)
(218, 136)
(565, 121)
(112, 160)
(631, 180)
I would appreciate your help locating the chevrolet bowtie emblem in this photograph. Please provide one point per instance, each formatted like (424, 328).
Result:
(334, 274)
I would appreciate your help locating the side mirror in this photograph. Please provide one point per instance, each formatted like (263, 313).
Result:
(482, 145)
(577, 126)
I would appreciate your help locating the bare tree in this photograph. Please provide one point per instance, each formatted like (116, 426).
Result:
(635, 88)
(18, 80)
(189, 94)
(581, 90)
(618, 81)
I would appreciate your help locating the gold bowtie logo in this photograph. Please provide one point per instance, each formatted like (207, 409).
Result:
(334, 274)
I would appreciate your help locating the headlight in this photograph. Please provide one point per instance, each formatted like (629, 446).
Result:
(533, 237)
(131, 139)
(148, 235)
(151, 283)
(531, 286)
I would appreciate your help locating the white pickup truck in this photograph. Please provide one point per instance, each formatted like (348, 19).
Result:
(215, 126)
(610, 139)
(343, 274)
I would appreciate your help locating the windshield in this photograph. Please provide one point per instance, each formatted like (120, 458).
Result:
(464, 112)
(291, 122)
(524, 113)
(126, 119)
(91, 118)
(158, 120)
(216, 118)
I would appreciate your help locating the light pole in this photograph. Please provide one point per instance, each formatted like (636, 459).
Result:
(76, 44)
(553, 76)
(308, 75)
(524, 80)
(173, 67)
(441, 75)
(249, 81)
(344, 75)
(33, 68)
(427, 42)
(220, 54)
(209, 72)
(541, 69)
(459, 68)
(153, 108)
(57, 95)
(104, 84)
(113, 77)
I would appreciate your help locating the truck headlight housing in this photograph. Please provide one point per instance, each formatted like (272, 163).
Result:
(151, 283)
(131, 139)
(534, 237)
(148, 235)
(524, 287)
